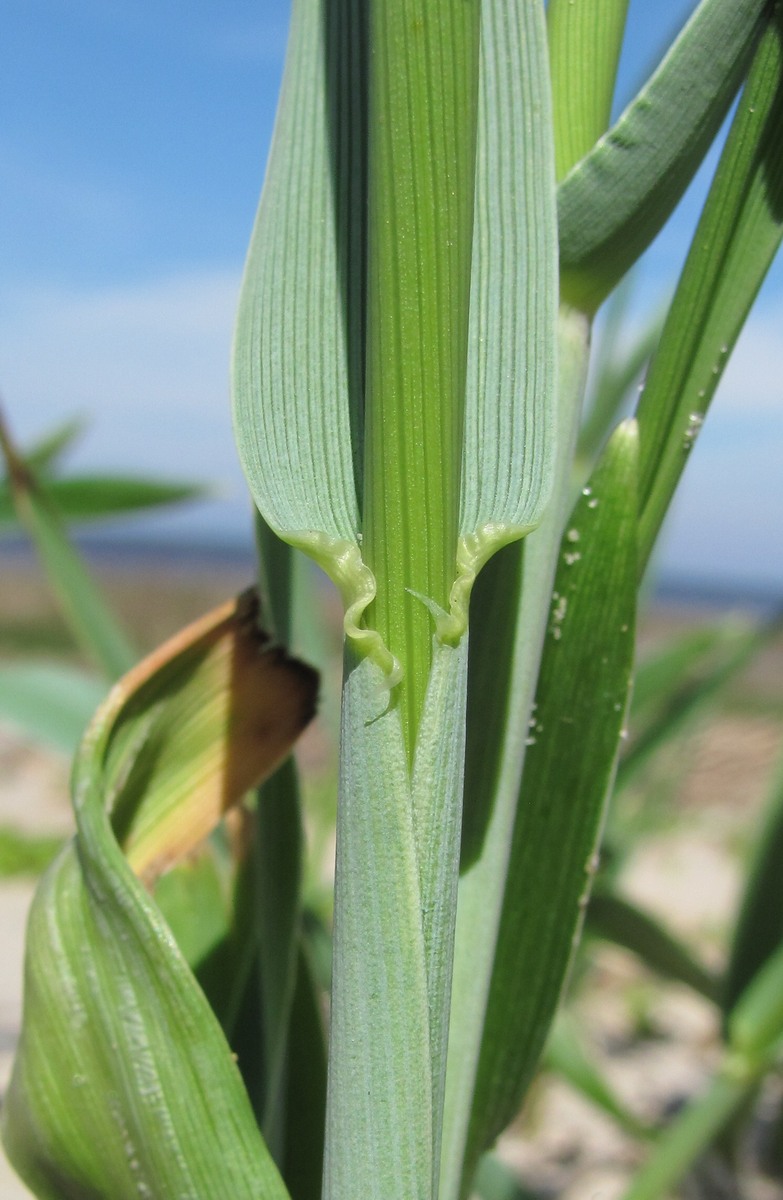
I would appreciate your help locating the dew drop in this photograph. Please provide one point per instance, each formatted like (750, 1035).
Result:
(572, 535)
(592, 503)
(695, 422)
(587, 491)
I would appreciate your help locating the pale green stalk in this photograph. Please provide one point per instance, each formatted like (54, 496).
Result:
(482, 886)
(422, 150)
(584, 49)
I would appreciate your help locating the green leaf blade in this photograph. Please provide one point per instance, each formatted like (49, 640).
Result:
(93, 624)
(511, 401)
(573, 740)
(759, 928)
(297, 374)
(96, 497)
(105, 981)
(737, 237)
(613, 202)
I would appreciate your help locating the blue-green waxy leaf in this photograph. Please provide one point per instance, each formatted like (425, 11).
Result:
(616, 199)
(124, 1085)
(298, 353)
(573, 741)
(510, 408)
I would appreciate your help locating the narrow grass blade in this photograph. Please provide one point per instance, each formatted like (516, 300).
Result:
(693, 692)
(659, 673)
(521, 609)
(573, 738)
(613, 917)
(293, 1042)
(616, 199)
(49, 702)
(82, 605)
(124, 1084)
(735, 242)
(584, 50)
(755, 1024)
(494, 608)
(306, 1097)
(566, 1055)
(95, 497)
(759, 929)
(278, 862)
(44, 455)
(679, 1147)
(755, 1030)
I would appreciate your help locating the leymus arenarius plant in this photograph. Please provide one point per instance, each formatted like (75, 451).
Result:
(444, 211)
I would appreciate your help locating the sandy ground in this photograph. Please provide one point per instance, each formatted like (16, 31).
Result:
(689, 874)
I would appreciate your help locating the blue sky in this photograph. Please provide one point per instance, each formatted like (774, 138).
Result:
(132, 150)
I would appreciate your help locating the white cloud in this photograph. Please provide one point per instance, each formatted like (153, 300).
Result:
(148, 366)
(157, 349)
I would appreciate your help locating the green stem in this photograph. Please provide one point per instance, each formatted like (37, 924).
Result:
(584, 49)
(422, 133)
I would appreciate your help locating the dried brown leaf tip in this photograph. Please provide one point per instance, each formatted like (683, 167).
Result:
(204, 719)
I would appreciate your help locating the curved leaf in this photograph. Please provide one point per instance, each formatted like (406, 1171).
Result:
(124, 1085)
(613, 203)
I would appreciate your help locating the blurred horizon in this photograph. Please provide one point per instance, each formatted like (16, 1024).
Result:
(133, 152)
